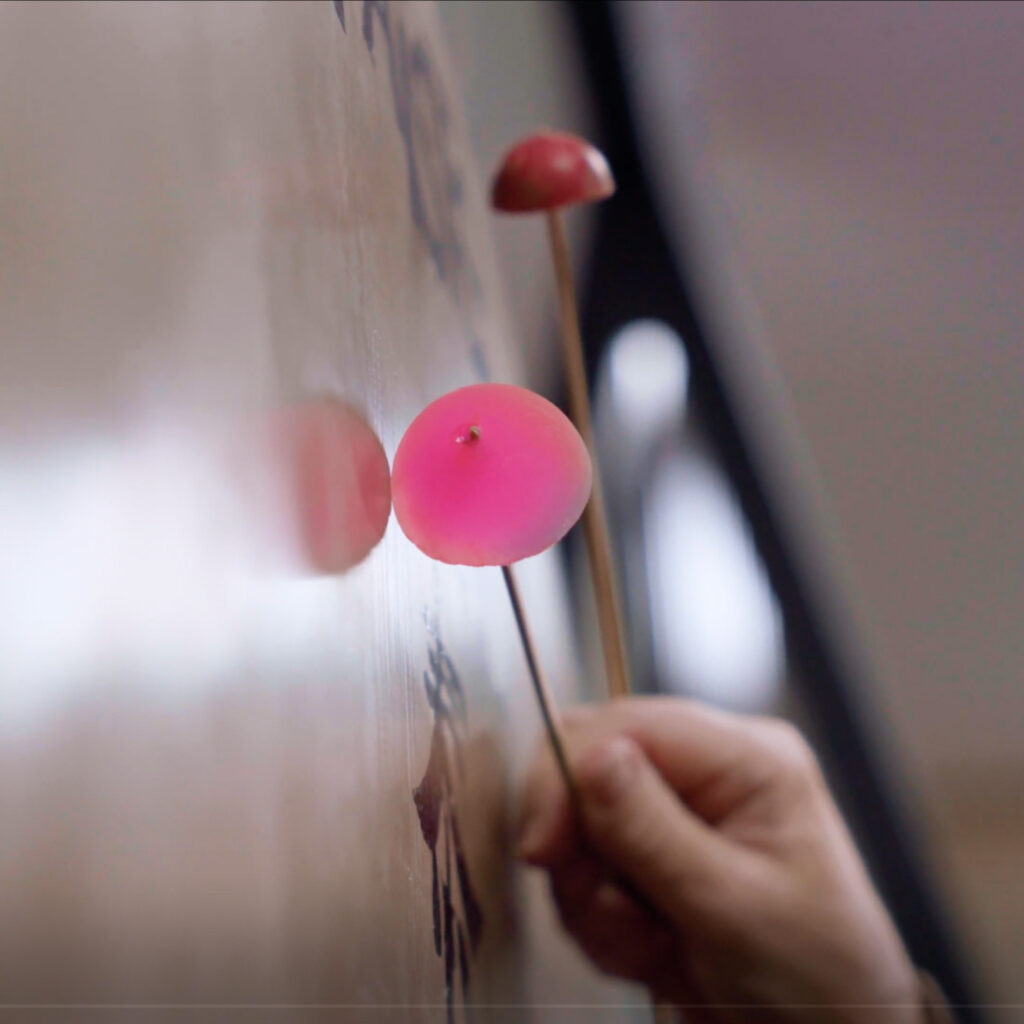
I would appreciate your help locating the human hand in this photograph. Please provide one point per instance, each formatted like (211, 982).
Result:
(709, 862)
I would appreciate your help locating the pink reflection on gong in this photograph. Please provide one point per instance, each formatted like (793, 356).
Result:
(337, 485)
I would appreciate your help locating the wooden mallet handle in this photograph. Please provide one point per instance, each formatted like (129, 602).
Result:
(595, 520)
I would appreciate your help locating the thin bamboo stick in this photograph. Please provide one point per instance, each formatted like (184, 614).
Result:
(548, 708)
(595, 520)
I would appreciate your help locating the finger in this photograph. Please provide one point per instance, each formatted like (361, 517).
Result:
(713, 760)
(634, 821)
(619, 935)
(548, 830)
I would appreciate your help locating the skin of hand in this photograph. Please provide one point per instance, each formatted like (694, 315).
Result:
(708, 861)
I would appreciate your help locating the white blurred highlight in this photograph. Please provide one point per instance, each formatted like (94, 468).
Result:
(717, 626)
(137, 562)
(649, 375)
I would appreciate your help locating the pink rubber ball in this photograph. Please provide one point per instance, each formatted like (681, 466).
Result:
(489, 474)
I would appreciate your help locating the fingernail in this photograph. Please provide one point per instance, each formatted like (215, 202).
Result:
(609, 772)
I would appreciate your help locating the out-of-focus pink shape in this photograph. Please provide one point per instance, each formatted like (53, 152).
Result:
(489, 474)
(549, 170)
(337, 482)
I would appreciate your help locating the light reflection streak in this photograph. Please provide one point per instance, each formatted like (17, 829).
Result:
(716, 623)
(139, 561)
(649, 375)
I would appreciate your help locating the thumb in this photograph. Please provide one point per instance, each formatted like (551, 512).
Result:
(636, 822)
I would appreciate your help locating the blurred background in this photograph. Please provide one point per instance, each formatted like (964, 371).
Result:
(802, 311)
(803, 316)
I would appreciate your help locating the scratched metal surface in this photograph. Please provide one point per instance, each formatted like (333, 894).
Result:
(208, 756)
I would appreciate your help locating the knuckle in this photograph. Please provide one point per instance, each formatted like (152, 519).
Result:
(608, 771)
